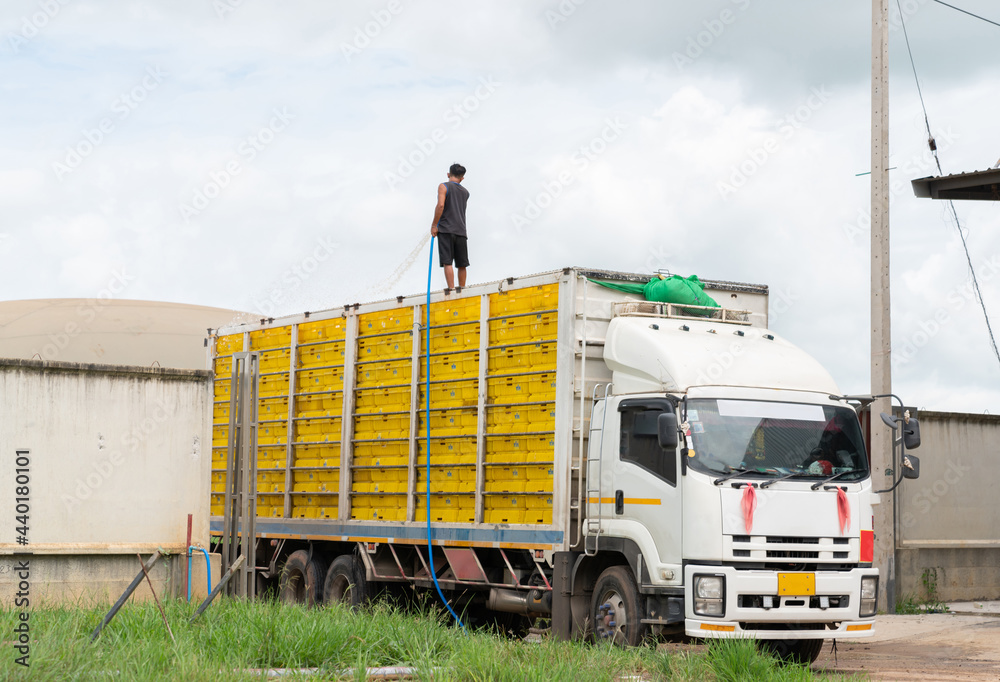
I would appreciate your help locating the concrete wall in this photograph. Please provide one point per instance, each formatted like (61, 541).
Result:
(948, 520)
(119, 456)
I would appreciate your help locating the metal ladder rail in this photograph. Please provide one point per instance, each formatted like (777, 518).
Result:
(580, 502)
(240, 512)
(593, 525)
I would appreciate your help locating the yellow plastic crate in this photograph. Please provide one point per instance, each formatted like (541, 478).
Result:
(320, 405)
(528, 299)
(451, 339)
(389, 347)
(221, 389)
(520, 449)
(395, 319)
(322, 330)
(376, 374)
(451, 366)
(276, 360)
(447, 480)
(524, 328)
(446, 515)
(447, 450)
(500, 479)
(520, 418)
(322, 355)
(227, 345)
(504, 502)
(394, 453)
(271, 456)
(274, 433)
(223, 367)
(513, 389)
(455, 310)
(277, 501)
(503, 515)
(542, 387)
(379, 426)
(538, 517)
(319, 430)
(316, 454)
(448, 423)
(380, 480)
(220, 413)
(220, 435)
(313, 380)
(270, 385)
(532, 357)
(450, 394)
(275, 337)
(328, 510)
(379, 507)
(374, 400)
(272, 408)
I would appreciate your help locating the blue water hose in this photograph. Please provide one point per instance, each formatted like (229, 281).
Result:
(208, 571)
(427, 422)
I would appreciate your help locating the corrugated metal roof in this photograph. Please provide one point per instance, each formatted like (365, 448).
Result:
(981, 185)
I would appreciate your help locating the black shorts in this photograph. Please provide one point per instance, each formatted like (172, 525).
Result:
(453, 247)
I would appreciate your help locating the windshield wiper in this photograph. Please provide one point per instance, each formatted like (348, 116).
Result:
(733, 473)
(782, 478)
(815, 486)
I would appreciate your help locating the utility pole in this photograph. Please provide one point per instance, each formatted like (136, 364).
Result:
(881, 373)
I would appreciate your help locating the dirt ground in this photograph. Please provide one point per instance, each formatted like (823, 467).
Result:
(926, 647)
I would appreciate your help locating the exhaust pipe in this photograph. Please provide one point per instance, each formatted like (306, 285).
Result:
(526, 603)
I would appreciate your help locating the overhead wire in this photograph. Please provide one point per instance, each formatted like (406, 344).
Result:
(959, 9)
(937, 160)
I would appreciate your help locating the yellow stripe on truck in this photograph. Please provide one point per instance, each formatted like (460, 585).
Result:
(655, 501)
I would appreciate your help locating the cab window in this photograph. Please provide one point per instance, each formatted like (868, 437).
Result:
(639, 444)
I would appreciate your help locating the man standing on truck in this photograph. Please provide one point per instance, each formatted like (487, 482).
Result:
(449, 225)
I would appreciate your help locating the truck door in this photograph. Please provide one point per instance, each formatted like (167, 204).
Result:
(644, 478)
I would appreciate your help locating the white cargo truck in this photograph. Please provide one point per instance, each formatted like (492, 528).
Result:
(622, 467)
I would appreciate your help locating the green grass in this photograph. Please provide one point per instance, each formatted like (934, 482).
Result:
(234, 636)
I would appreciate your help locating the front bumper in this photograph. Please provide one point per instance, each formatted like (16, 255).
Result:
(790, 617)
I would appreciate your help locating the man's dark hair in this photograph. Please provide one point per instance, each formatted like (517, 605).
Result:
(457, 169)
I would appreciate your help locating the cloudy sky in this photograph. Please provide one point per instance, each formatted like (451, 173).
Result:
(280, 157)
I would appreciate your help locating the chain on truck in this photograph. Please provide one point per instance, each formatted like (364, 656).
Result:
(619, 467)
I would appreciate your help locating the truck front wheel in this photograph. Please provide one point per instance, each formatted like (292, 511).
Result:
(302, 579)
(343, 584)
(617, 614)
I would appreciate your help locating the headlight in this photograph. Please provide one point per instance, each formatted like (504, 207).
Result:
(709, 595)
(869, 595)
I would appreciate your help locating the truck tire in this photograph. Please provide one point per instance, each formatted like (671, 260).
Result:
(802, 651)
(616, 608)
(302, 579)
(344, 583)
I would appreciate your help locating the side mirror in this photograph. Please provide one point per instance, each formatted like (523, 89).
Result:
(666, 430)
(911, 466)
(911, 434)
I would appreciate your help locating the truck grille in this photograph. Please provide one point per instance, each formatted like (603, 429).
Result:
(786, 548)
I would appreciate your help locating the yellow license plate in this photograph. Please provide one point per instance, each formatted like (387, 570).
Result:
(796, 584)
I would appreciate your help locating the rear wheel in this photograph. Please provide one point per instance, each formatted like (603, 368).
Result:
(616, 608)
(803, 651)
(345, 583)
(302, 579)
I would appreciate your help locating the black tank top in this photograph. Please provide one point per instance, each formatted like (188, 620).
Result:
(453, 217)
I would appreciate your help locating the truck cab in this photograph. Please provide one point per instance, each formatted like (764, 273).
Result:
(754, 517)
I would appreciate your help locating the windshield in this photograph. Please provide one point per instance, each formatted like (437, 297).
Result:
(776, 439)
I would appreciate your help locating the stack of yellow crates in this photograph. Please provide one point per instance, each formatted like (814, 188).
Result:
(382, 415)
(318, 418)
(454, 410)
(520, 413)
